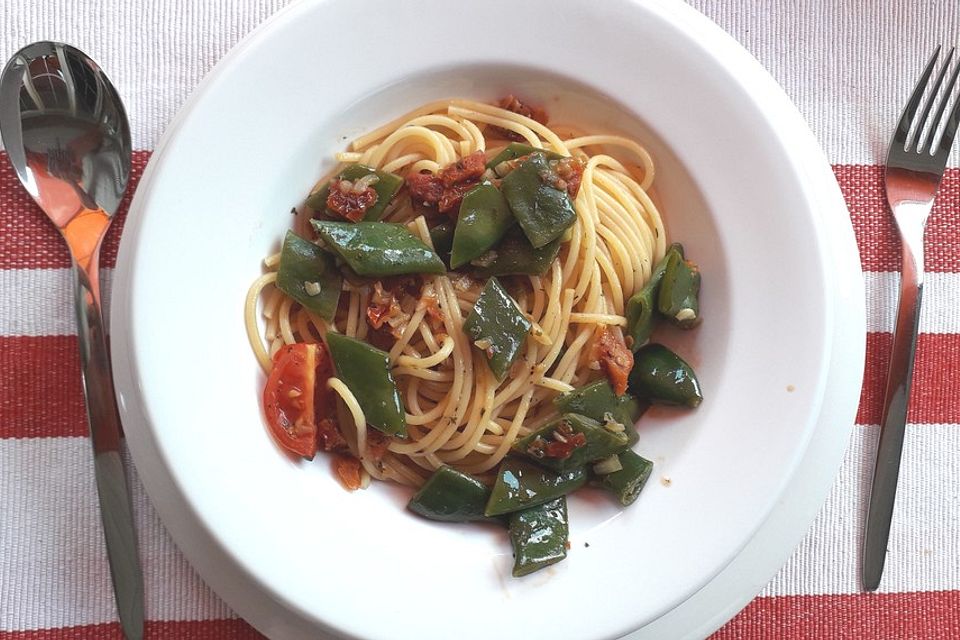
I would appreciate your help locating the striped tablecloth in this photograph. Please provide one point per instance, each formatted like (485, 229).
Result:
(847, 64)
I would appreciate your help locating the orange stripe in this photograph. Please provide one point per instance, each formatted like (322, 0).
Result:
(233, 629)
(933, 615)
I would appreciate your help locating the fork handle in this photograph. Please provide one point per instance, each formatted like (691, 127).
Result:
(896, 400)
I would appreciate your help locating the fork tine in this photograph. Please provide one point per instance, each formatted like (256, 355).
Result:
(950, 131)
(903, 127)
(935, 124)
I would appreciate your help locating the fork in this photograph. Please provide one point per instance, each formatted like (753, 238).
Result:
(915, 164)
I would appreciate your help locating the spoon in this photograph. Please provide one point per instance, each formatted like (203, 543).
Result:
(67, 136)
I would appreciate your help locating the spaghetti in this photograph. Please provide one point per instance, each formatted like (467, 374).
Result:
(456, 411)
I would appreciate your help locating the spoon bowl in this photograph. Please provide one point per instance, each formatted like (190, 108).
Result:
(65, 130)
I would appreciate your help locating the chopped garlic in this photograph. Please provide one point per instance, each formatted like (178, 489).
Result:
(608, 465)
(312, 288)
(364, 182)
(685, 314)
(613, 426)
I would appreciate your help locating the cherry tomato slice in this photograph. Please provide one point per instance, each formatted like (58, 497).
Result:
(290, 395)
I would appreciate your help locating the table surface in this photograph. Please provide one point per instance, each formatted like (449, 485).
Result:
(848, 65)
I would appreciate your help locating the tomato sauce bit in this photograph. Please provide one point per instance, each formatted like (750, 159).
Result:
(347, 469)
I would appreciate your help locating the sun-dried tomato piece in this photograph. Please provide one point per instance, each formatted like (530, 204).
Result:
(570, 171)
(467, 169)
(432, 305)
(425, 188)
(384, 310)
(512, 103)
(453, 196)
(616, 360)
(348, 202)
(383, 304)
(447, 188)
(561, 450)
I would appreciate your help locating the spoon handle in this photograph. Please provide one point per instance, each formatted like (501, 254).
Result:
(115, 508)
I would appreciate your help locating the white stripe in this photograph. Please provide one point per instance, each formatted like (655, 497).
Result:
(849, 66)
(849, 73)
(52, 563)
(154, 52)
(939, 313)
(53, 568)
(925, 538)
(40, 302)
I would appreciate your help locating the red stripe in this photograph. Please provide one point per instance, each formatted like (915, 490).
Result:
(936, 379)
(42, 397)
(862, 188)
(917, 615)
(27, 240)
(905, 616)
(233, 629)
(41, 394)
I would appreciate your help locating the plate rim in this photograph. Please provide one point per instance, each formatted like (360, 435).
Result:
(150, 468)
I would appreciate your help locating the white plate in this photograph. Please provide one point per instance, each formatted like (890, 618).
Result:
(739, 182)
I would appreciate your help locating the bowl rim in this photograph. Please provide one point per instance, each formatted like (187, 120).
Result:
(153, 466)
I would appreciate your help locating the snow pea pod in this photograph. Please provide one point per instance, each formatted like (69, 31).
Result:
(378, 249)
(516, 150)
(627, 483)
(366, 372)
(521, 485)
(572, 441)
(662, 377)
(308, 274)
(483, 220)
(497, 327)
(386, 186)
(539, 536)
(678, 299)
(516, 256)
(441, 236)
(642, 305)
(451, 496)
(598, 401)
(543, 211)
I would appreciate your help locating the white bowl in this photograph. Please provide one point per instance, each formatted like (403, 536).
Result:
(280, 540)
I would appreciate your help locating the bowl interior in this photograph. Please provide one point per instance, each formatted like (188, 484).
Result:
(218, 200)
